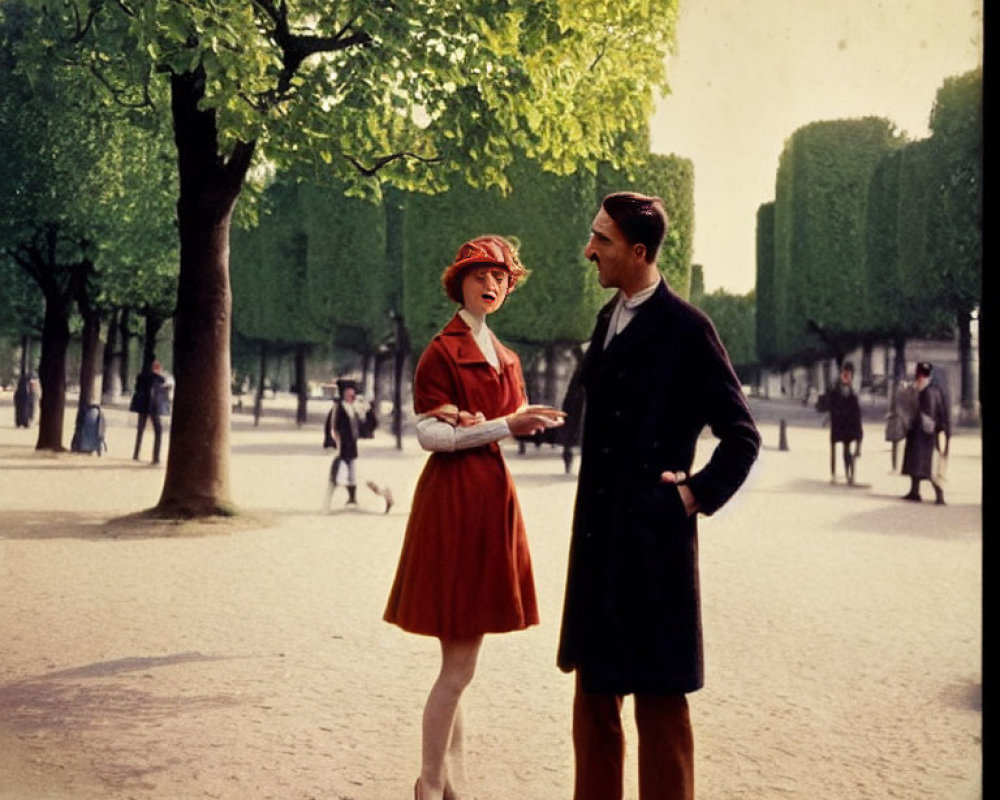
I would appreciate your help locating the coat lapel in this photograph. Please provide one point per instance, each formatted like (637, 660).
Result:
(648, 320)
(457, 338)
(595, 350)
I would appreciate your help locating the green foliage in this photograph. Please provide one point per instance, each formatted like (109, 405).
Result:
(348, 287)
(821, 216)
(697, 283)
(735, 319)
(80, 176)
(312, 270)
(671, 178)
(885, 288)
(52, 164)
(767, 320)
(417, 90)
(21, 303)
(548, 215)
(957, 140)
(920, 223)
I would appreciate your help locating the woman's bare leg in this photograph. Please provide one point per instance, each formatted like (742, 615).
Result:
(440, 739)
(454, 786)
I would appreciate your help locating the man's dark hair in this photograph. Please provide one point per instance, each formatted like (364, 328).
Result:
(642, 219)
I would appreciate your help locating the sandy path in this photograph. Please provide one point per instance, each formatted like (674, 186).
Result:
(843, 634)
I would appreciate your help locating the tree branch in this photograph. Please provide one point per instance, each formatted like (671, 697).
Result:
(385, 160)
(598, 57)
(83, 28)
(119, 95)
(296, 48)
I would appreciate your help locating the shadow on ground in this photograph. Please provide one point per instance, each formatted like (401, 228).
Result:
(80, 699)
(41, 525)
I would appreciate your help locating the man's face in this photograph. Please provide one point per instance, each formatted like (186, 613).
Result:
(609, 250)
(846, 376)
(349, 395)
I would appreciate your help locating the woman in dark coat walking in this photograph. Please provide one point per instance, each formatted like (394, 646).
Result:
(923, 442)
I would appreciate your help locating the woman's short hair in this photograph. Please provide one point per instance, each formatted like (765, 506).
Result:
(482, 251)
(642, 219)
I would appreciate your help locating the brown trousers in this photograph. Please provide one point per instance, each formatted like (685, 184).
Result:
(666, 746)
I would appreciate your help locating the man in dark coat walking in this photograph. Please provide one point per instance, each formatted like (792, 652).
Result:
(924, 444)
(149, 401)
(655, 375)
(845, 423)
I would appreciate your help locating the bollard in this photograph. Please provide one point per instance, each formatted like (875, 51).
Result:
(782, 436)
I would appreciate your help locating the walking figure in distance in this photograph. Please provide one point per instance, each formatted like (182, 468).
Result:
(343, 429)
(925, 445)
(149, 401)
(845, 423)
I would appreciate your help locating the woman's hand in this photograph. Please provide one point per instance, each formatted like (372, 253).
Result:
(445, 413)
(534, 419)
(453, 416)
(466, 418)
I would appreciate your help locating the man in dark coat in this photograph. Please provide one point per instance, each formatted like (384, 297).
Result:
(149, 401)
(655, 375)
(845, 422)
(932, 417)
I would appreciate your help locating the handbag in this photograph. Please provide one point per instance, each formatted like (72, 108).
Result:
(895, 428)
(927, 424)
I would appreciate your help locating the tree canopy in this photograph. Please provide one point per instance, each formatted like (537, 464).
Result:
(412, 93)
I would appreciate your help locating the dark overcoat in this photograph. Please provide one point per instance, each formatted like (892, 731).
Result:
(918, 457)
(346, 427)
(632, 612)
(845, 414)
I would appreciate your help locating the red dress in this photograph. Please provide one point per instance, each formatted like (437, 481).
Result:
(465, 568)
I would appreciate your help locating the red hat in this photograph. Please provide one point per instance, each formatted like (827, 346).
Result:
(482, 250)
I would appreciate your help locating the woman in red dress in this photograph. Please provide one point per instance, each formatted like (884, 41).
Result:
(465, 569)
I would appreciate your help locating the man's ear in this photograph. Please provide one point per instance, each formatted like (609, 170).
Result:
(639, 250)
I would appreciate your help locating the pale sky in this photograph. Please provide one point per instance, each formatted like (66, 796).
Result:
(746, 75)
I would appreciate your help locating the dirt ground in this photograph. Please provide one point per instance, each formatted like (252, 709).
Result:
(843, 630)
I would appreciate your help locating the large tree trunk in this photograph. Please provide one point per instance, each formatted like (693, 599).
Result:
(124, 367)
(151, 333)
(52, 375)
(967, 402)
(258, 398)
(109, 363)
(197, 475)
(301, 385)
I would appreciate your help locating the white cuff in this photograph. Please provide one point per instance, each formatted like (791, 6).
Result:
(441, 437)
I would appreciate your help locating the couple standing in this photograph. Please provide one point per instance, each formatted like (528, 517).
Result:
(655, 375)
